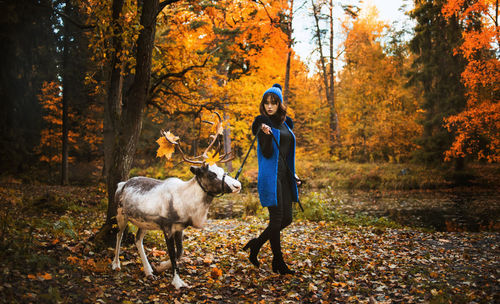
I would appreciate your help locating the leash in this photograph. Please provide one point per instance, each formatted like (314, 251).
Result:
(245, 159)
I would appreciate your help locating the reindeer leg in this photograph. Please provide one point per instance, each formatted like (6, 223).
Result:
(178, 235)
(122, 224)
(170, 240)
(148, 271)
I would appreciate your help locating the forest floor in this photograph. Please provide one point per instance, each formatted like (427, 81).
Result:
(46, 257)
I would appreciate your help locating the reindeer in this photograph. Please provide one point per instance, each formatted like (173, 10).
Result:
(170, 206)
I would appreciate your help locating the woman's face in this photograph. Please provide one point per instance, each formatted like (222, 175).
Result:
(270, 106)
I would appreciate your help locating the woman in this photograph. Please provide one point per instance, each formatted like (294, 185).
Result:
(276, 178)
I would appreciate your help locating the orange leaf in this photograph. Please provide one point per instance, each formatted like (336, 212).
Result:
(72, 259)
(215, 273)
(31, 276)
(46, 276)
(158, 252)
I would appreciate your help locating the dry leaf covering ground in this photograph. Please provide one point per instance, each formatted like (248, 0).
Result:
(46, 258)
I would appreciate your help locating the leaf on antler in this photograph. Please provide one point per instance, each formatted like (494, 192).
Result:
(170, 137)
(166, 148)
(212, 158)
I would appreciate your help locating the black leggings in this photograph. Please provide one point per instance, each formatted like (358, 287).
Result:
(280, 216)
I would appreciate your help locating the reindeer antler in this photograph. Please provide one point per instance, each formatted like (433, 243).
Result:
(205, 155)
(218, 131)
(174, 140)
(227, 157)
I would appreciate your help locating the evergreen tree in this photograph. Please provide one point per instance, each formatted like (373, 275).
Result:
(438, 68)
(27, 52)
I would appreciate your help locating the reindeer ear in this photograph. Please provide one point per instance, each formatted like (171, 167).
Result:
(195, 170)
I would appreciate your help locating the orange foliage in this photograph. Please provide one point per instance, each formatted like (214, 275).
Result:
(86, 134)
(477, 128)
(196, 36)
(377, 113)
(50, 146)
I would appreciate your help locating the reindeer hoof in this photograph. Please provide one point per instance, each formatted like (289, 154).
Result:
(178, 283)
(116, 266)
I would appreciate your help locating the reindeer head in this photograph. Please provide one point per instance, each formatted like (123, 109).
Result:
(212, 178)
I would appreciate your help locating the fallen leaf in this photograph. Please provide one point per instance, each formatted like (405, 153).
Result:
(215, 273)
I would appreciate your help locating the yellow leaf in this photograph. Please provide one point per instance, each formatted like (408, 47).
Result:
(166, 149)
(212, 158)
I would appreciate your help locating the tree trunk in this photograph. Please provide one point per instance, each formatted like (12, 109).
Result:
(65, 100)
(328, 75)
(316, 13)
(124, 119)
(331, 89)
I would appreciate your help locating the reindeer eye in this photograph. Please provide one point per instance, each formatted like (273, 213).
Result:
(212, 175)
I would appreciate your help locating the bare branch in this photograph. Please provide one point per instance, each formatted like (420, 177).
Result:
(164, 4)
(183, 72)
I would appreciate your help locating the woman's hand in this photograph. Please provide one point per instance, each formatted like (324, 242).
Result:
(298, 180)
(265, 128)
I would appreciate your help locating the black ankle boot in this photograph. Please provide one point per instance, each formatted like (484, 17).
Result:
(280, 267)
(254, 250)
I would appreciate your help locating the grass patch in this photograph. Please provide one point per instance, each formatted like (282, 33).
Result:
(324, 206)
(371, 176)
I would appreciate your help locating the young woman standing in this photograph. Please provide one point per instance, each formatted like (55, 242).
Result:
(276, 182)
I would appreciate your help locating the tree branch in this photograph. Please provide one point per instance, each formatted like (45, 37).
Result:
(265, 9)
(176, 74)
(164, 4)
(183, 72)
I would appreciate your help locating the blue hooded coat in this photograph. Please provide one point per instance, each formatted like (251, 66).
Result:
(268, 166)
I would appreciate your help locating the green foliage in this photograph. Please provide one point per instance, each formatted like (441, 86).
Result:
(324, 206)
(316, 208)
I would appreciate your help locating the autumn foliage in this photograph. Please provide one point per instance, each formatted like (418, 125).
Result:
(50, 141)
(477, 128)
(377, 112)
(220, 56)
